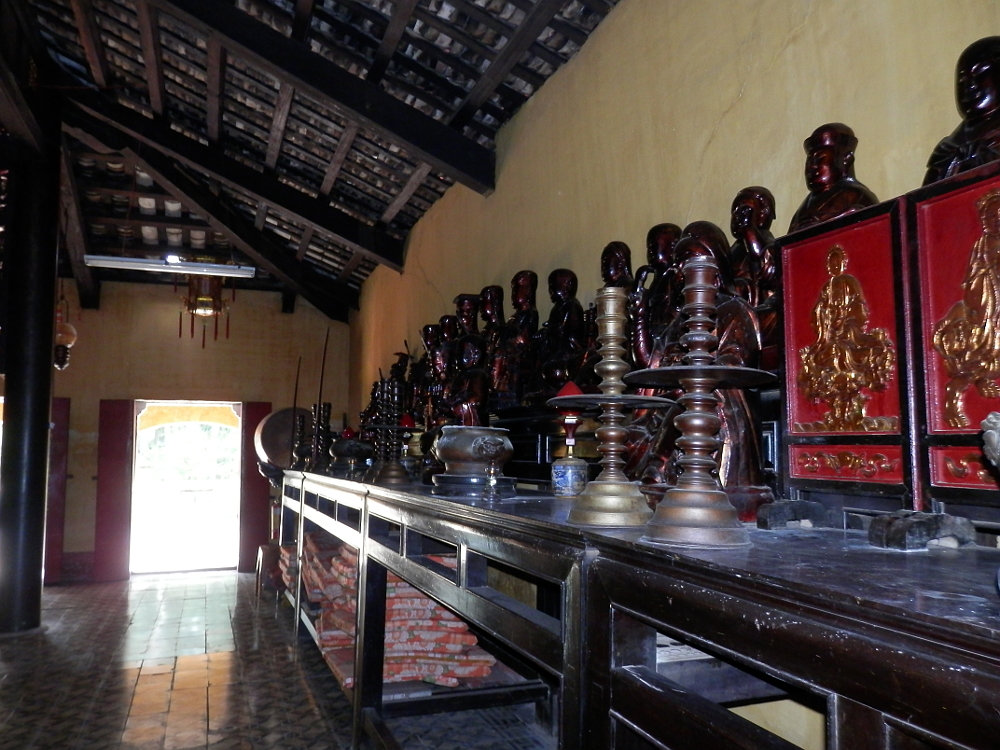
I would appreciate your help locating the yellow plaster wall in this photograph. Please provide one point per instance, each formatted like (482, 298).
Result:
(129, 349)
(668, 110)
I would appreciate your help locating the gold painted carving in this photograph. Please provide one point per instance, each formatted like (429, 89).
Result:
(846, 359)
(968, 336)
(848, 462)
(970, 466)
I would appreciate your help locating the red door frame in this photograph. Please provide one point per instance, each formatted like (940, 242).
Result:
(113, 525)
(255, 491)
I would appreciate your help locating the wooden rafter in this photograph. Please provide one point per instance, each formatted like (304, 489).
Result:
(307, 236)
(278, 123)
(90, 40)
(350, 267)
(260, 218)
(128, 127)
(292, 62)
(331, 298)
(532, 25)
(302, 19)
(390, 40)
(403, 196)
(215, 75)
(337, 162)
(88, 288)
(149, 36)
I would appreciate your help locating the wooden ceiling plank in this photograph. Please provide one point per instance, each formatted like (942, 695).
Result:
(307, 235)
(149, 35)
(330, 297)
(532, 25)
(90, 40)
(337, 162)
(96, 115)
(404, 195)
(302, 19)
(401, 16)
(215, 75)
(88, 287)
(280, 119)
(350, 267)
(290, 61)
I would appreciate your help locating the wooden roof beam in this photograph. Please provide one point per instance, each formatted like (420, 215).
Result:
(350, 267)
(88, 287)
(337, 162)
(149, 36)
(128, 128)
(16, 116)
(302, 19)
(215, 75)
(307, 236)
(90, 39)
(330, 297)
(292, 62)
(390, 39)
(404, 195)
(278, 122)
(532, 25)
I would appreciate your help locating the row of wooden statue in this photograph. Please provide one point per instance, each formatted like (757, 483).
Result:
(468, 369)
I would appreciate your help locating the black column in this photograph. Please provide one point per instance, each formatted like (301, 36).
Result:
(29, 270)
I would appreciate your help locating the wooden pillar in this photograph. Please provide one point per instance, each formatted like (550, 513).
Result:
(29, 269)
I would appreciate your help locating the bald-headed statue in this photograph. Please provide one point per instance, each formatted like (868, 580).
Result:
(976, 140)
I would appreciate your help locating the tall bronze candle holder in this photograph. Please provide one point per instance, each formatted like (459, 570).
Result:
(696, 512)
(611, 499)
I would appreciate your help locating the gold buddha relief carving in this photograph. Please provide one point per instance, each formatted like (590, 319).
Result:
(847, 359)
(968, 336)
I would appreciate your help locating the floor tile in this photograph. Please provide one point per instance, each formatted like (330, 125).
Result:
(180, 661)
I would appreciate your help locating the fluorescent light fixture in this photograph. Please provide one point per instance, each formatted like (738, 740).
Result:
(170, 264)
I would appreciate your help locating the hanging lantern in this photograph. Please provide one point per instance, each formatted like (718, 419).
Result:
(204, 301)
(65, 335)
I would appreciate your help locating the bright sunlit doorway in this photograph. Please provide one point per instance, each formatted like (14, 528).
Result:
(186, 486)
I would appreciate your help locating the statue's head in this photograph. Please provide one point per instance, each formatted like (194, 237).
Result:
(752, 207)
(470, 352)
(562, 285)
(616, 264)
(491, 303)
(467, 306)
(522, 289)
(989, 212)
(836, 261)
(430, 335)
(449, 327)
(977, 79)
(705, 239)
(829, 155)
(660, 241)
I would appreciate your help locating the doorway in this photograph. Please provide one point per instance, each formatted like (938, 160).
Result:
(186, 486)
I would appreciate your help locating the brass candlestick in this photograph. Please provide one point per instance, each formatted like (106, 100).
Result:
(611, 499)
(696, 512)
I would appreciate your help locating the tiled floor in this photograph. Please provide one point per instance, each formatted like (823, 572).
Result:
(172, 662)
